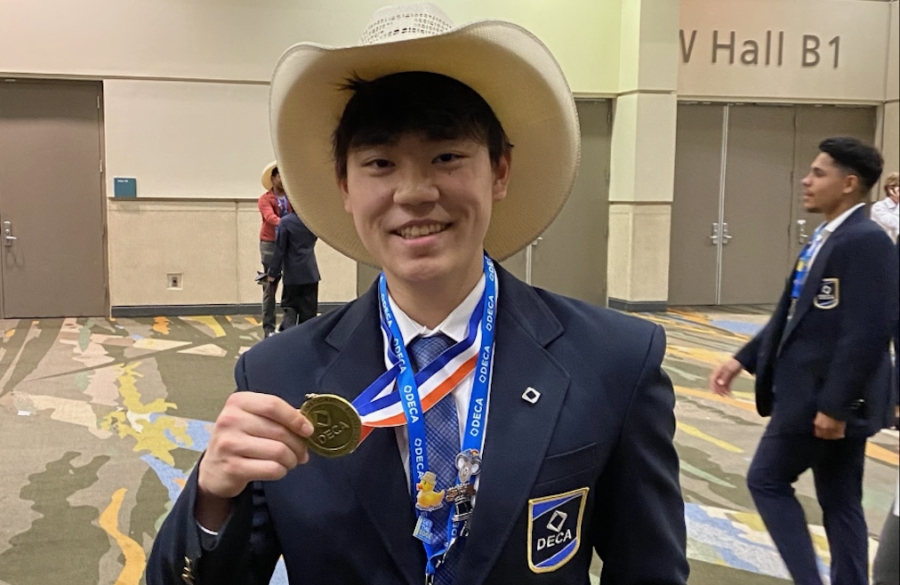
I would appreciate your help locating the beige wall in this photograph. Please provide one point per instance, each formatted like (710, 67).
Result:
(207, 243)
(181, 139)
(242, 39)
(639, 252)
(859, 77)
(891, 127)
(186, 114)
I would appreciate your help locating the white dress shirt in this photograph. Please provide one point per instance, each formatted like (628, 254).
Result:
(456, 327)
(886, 213)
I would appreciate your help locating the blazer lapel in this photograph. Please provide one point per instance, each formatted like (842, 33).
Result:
(814, 278)
(518, 433)
(375, 470)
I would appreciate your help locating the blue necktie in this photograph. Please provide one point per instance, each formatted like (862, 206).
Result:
(442, 435)
(803, 263)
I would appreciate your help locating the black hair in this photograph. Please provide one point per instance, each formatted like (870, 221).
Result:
(855, 158)
(440, 107)
(273, 173)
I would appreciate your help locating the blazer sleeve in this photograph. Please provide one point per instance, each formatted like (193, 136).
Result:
(641, 533)
(748, 355)
(867, 267)
(245, 551)
(281, 247)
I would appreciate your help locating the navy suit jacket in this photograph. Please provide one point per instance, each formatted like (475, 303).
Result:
(833, 355)
(295, 252)
(604, 422)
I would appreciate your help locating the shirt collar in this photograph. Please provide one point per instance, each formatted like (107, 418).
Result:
(889, 203)
(835, 223)
(455, 326)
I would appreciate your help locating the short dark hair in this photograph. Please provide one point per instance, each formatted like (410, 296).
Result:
(856, 158)
(273, 173)
(440, 107)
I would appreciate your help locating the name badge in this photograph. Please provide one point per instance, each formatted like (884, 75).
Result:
(828, 296)
(554, 530)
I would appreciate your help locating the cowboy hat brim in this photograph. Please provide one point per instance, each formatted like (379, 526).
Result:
(508, 66)
(266, 177)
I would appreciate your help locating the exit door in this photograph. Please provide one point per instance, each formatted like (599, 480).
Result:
(52, 240)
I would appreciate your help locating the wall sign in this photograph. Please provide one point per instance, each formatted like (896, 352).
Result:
(802, 50)
(728, 48)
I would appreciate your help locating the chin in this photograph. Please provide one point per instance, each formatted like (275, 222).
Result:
(422, 270)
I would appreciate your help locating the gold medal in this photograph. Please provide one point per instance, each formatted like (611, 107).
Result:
(336, 425)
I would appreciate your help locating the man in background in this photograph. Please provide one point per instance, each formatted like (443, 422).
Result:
(295, 255)
(823, 369)
(273, 205)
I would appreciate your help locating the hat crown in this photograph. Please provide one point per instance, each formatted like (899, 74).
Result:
(408, 21)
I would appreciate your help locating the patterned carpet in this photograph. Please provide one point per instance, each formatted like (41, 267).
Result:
(101, 421)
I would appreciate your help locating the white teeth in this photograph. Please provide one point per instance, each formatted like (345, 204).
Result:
(420, 231)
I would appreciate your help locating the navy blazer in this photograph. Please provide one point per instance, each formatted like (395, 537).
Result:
(833, 355)
(603, 427)
(295, 252)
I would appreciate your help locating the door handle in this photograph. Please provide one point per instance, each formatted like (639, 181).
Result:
(726, 237)
(715, 234)
(537, 241)
(802, 236)
(8, 238)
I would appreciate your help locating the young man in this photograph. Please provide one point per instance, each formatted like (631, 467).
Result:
(886, 212)
(823, 368)
(506, 432)
(273, 205)
(295, 254)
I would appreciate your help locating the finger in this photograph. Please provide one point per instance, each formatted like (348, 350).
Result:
(266, 450)
(265, 428)
(261, 469)
(277, 410)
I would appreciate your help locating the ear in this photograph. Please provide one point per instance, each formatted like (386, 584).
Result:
(501, 172)
(345, 193)
(851, 184)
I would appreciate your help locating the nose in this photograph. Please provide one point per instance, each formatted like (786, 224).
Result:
(807, 181)
(415, 188)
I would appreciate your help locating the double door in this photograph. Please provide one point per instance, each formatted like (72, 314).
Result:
(738, 222)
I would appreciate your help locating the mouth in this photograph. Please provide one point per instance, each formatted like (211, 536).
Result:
(413, 232)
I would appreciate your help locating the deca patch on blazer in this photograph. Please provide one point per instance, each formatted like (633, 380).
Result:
(554, 530)
(829, 294)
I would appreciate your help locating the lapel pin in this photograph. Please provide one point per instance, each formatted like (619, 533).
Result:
(531, 396)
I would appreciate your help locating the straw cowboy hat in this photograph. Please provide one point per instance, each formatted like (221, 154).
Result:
(508, 66)
(266, 177)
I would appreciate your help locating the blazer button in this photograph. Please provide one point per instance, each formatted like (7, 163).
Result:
(188, 574)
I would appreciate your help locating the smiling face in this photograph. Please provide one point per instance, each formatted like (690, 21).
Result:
(420, 159)
(422, 206)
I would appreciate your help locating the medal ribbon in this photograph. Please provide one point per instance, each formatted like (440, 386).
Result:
(482, 321)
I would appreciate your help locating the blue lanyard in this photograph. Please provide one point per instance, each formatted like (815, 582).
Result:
(802, 269)
(409, 391)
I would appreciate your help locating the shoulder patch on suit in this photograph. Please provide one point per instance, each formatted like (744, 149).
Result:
(829, 294)
(554, 530)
